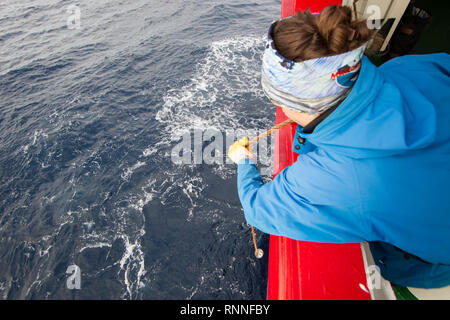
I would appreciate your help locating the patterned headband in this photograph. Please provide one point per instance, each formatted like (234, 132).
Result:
(310, 86)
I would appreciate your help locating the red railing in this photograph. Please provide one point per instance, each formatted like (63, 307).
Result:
(309, 270)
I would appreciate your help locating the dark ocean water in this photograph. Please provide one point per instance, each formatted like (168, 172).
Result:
(88, 119)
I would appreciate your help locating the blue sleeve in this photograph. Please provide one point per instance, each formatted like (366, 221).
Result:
(303, 202)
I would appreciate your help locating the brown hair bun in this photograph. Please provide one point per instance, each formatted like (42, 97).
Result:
(306, 36)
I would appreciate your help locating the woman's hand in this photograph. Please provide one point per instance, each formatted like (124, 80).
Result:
(240, 150)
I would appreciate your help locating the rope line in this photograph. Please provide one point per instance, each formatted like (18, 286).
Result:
(259, 252)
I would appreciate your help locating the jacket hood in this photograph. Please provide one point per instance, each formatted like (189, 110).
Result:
(376, 119)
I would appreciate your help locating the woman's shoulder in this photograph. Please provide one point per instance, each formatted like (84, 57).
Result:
(429, 63)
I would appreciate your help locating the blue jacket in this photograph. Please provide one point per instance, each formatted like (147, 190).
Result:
(376, 169)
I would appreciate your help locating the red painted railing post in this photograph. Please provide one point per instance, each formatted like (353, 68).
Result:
(308, 270)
